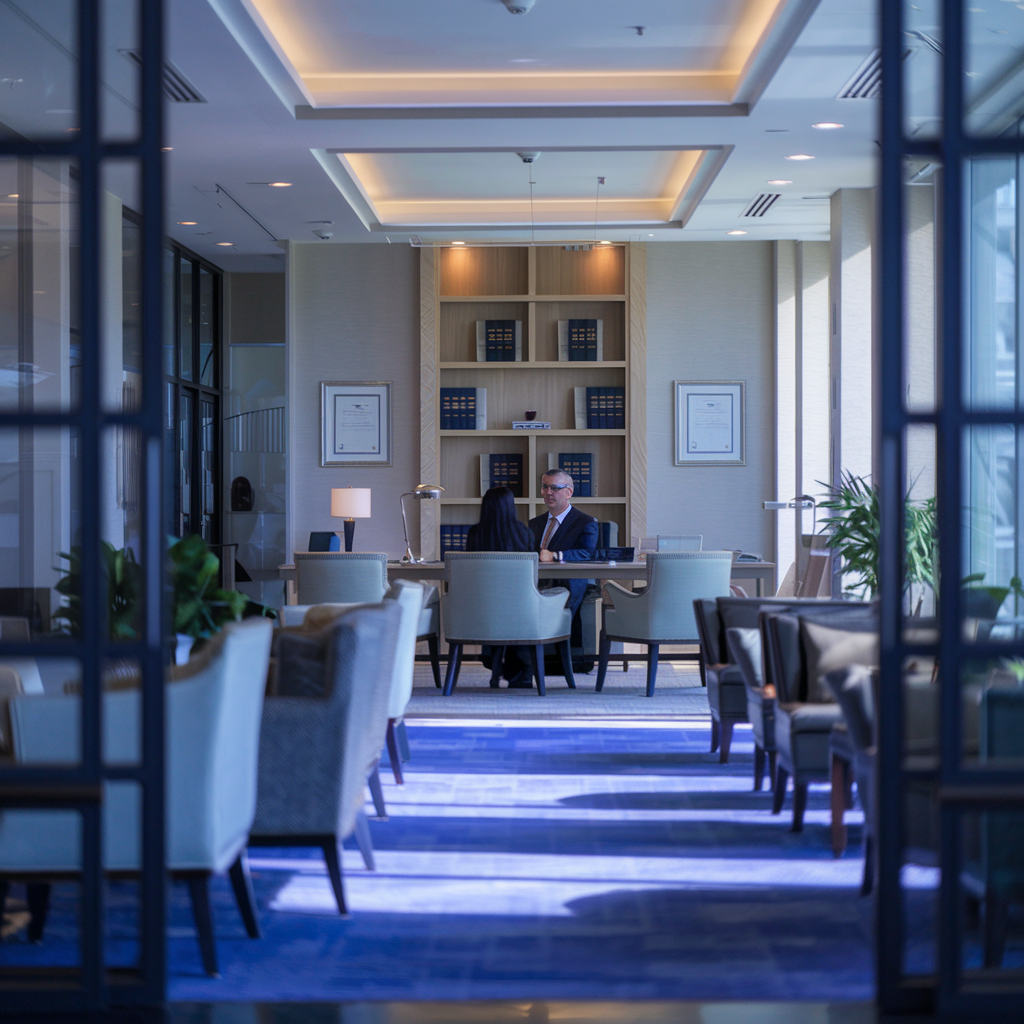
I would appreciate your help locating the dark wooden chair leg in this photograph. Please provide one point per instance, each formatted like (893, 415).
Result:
(565, 652)
(838, 806)
(452, 674)
(332, 858)
(497, 657)
(393, 755)
(377, 792)
(364, 842)
(867, 882)
(652, 668)
(727, 727)
(799, 805)
(241, 882)
(434, 650)
(715, 734)
(199, 891)
(772, 763)
(537, 657)
(759, 762)
(779, 796)
(38, 899)
(403, 740)
(602, 660)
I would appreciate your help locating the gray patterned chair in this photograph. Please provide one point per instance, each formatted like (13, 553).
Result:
(358, 577)
(323, 735)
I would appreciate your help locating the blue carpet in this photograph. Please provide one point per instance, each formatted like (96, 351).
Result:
(554, 861)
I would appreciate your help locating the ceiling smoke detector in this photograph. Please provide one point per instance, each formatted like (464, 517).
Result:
(518, 6)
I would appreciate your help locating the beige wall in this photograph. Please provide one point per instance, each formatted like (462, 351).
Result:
(711, 316)
(352, 314)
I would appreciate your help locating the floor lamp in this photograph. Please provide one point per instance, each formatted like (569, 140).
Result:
(432, 491)
(350, 504)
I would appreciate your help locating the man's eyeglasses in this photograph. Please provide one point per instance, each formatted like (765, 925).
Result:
(552, 487)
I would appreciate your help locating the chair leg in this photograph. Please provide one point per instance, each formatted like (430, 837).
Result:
(772, 763)
(332, 859)
(434, 649)
(652, 667)
(497, 657)
(838, 806)
(393, 755)
(759, 760)
(38, 899)
(799, 805)
(565, 651)
(602, 660)
(716, 734)
(848, 785)
(867, 882)
(241, 882)
(726, 727)
(537, 657)
(403, 740)
(199, 890)
(779, 796)
(452, 674)
(364, 842)
(377, 792)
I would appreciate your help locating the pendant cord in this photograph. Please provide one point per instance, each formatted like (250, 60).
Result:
(533, 226)
(597, 197)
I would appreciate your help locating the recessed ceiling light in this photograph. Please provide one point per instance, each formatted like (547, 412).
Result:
(280, 184)
(458, 243)
(826, 125)
(605, 241)
(800, 156)
(166, 149)
(188, 223)
(779, 181)
(225, 243)
(650, 234)
(12, 195)
(735, 232)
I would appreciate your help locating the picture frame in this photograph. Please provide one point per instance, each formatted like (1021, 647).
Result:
(355, 423)
(710, 421)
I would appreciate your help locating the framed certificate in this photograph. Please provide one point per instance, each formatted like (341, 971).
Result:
(355, 423)
(709, 422)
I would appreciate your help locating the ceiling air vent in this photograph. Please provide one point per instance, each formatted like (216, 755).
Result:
(866, 83)
(177, 88)
(761, 204)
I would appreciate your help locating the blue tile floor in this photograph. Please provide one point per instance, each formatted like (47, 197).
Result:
(556, 860)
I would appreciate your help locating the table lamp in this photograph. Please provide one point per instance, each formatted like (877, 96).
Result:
(350, 504)
(419, 492)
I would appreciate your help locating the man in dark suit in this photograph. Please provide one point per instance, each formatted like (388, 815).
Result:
(564, 534)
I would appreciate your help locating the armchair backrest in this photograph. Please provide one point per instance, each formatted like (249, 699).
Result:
(409, 597)
(675, 579)
(490, 595)
(341, 577)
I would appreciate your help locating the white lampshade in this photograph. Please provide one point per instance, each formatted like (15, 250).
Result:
(350, 502)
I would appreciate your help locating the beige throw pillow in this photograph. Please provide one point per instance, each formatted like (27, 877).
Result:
(826, 649)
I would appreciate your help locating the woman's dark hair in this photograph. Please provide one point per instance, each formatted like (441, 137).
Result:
(499, 528)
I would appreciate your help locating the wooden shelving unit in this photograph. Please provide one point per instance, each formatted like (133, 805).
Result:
(538, 286)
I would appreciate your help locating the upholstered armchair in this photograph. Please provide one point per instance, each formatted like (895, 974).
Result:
(492, 598)
(662, 613)
(214, 704)
(359, 577)
(409, 597)
(323, 732)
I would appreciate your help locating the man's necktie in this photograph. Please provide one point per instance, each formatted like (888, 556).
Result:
(552, 526)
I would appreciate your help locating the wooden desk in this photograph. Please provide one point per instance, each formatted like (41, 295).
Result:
(762, 572)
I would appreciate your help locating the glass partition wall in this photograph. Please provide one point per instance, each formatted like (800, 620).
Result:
(950, 743)
(81, 511)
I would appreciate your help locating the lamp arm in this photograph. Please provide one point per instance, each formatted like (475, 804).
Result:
(409, 556)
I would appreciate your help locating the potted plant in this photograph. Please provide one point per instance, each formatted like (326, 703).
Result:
(124, 583)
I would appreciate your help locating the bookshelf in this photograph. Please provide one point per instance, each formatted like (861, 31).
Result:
(539, 286)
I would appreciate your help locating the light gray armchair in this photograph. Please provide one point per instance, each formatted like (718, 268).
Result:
(320, 740)
(358, 577)
(409, 597)
(663, 612)
(492, 598)
(214, 705)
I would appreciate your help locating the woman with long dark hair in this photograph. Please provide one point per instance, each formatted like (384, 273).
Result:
(500, 529)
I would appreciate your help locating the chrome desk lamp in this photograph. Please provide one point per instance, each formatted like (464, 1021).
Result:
(433, 491)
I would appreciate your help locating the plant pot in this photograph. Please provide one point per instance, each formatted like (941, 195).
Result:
(183, 648)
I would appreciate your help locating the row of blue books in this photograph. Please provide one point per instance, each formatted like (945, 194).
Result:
(463, 408)
(499, 341)
(580, 341)
(453, 538)
(600, 408)
(580, 466)
(502, 470)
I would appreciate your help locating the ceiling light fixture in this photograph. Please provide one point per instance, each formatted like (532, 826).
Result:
(735, 232)
(518, 6)
(166, 149)
(458, 243)
(280, 184)
(188, 223)
(779, 181)
(12, 195)
(826, 126)
(800, 156)
(225, 243)
(605, 241)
